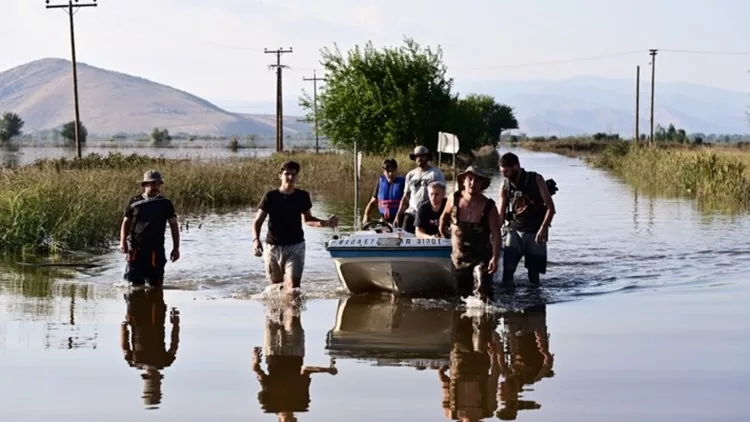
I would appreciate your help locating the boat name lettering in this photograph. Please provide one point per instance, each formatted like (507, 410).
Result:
(355, 242)
(411, 242)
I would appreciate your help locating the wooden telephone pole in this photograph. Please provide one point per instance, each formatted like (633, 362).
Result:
(637, 103)
(279, 108)
(653, 73)
(70, 10)
(315, 80)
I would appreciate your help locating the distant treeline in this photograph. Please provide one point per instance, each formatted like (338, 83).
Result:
(54, 135)
(661, 134)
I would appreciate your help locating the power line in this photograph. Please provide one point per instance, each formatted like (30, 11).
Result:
(564, 61)
(708, 52)
(71, 9)
(279, 108)
(315, 80)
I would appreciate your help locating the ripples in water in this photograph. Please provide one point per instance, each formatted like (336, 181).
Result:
(606, 238)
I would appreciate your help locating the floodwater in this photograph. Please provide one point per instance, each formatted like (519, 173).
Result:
(642, 316)
(12, 156)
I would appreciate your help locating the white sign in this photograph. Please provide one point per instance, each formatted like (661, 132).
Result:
(447, 143)
(359, 164)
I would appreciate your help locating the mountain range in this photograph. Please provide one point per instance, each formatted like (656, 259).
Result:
(113, 102)
(588, 104)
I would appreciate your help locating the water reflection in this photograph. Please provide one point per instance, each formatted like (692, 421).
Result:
(482, 373)
(76, 339)
(143, 342)
(9, 155)
(285, 387)
(525, 358)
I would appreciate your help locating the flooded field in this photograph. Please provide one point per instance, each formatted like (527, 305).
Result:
(642, 316)
(11, 156)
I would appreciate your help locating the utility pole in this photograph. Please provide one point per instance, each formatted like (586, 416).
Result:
(315, 80)
(637, 103)
(279, 109)
(70, 6)
(653, 73)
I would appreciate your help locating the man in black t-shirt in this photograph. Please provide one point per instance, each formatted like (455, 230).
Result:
(428, 214)
(286, 207)
(142, 233)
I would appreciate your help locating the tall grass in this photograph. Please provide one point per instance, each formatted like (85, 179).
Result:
(718, 179)
(63, 205)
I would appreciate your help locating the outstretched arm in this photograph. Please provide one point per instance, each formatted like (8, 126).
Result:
(313, 221)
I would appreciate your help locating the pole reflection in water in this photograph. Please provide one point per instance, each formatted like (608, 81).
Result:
(285, 387)
(144, 328)
(482, 372)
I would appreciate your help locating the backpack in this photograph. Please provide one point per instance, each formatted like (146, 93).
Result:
(551, 186)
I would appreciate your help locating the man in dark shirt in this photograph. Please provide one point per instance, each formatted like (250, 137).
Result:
(428, 214)
(142, 233)
(526, 195)
(286, 207)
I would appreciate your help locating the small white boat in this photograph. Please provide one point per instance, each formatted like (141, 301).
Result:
(392, 332)
(379, 258)
(395, 262)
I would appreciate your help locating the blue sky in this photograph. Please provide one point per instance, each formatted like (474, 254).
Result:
(214, 48)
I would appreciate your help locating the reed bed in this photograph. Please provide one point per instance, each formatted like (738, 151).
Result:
(717, 178)
(62, 205)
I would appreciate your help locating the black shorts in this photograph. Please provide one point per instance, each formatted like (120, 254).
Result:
(146, 266)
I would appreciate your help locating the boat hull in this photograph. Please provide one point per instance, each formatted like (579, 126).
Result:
(411, 267)
(392, 332)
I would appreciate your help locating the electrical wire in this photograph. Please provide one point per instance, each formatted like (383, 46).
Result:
(572, 60)
(708, 52)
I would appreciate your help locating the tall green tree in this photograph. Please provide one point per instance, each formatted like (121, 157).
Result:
(479, 120)
(10, 126)
(383, 99)
(69, 134)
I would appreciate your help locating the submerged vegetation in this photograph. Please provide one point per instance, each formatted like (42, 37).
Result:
(718, 177)
(61, 205)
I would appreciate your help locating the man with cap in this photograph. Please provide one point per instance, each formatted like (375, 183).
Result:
(142, 233)
(475, 234)
(416, 191)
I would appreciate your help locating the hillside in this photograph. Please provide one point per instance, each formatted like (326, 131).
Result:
(593, 104)
(587, 104)
(112, 102)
